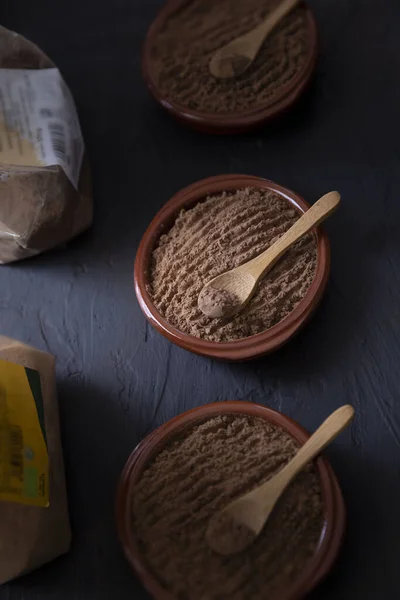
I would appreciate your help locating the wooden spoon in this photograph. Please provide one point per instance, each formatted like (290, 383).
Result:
(228, 294)
(237, 525)
(236, 57)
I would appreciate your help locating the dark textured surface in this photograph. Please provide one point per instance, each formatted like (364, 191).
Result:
(118, 379)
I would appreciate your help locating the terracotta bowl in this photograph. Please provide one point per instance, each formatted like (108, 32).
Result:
(334, 511)
(232, 122)
(256, 345)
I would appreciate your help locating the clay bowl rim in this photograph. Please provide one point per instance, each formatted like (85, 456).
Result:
(332, 533)
(246, 348)
(228, 122)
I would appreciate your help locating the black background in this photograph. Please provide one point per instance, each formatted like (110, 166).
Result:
(118, 378)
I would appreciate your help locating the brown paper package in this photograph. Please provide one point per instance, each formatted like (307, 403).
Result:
(31, 536)
(39, 207)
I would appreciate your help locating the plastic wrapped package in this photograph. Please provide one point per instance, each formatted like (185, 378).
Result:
(45, 190)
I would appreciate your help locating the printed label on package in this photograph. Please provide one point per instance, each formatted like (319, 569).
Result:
(39, 124)
(24, 459)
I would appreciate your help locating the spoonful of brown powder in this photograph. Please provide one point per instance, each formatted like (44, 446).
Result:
(218, 302)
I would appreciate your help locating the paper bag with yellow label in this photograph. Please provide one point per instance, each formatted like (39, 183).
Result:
(45, 196)
(34, 523)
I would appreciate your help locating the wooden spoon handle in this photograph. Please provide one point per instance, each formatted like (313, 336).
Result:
(327, 432)
(320, 211)
(258, 35)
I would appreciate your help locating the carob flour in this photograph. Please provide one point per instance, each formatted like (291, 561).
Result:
(200, 471)
(182, 50)
(216, 235)
(216, 302)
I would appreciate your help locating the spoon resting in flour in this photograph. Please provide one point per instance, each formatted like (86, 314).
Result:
(235, 527)
(227, 294)
(235, 58)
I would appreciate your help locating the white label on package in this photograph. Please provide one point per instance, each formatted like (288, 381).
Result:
(38, 121)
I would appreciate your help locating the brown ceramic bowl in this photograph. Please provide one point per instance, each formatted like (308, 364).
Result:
(256, 345)
(233, 122)
(334, 510)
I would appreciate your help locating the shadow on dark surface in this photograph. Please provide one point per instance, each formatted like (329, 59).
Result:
(98, 548)
(366, 526)
(322, 346)
(100, 430)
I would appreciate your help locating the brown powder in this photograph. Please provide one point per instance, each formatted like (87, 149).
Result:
(198, 473)
(218, 303)
(228, 535)
(217, 235)
(183, 48)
